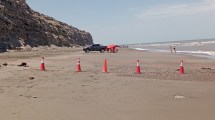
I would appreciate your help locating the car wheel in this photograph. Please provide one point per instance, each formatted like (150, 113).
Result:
(87, 50)
(102, 50)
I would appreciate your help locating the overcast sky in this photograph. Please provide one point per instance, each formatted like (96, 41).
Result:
(134, 21)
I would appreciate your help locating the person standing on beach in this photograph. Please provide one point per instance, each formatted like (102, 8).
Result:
(174, 49)
(170, 48)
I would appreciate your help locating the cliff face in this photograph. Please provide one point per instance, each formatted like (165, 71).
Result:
(21, 26)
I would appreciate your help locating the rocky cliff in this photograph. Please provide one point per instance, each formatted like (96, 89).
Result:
(21, 26)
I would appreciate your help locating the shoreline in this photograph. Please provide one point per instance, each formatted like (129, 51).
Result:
(201, 48)
(191, 53)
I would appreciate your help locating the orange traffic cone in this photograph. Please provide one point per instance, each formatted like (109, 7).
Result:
(78, 67)
(138, 67)
(42, 65)
(181, 68)
(105, 66)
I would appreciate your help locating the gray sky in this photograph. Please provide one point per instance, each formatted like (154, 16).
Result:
(139, 21)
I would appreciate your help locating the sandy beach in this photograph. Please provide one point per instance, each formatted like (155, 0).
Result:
(61, 93)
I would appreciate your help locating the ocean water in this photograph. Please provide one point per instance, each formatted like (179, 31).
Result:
(201, 48)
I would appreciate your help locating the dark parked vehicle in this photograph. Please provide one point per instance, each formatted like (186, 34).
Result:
(95, 47)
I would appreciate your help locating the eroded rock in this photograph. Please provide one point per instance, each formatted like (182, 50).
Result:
(21, 26)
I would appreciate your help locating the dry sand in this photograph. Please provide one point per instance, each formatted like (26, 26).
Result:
(60, 93)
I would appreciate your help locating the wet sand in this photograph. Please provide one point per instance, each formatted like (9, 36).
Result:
(60, 93)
